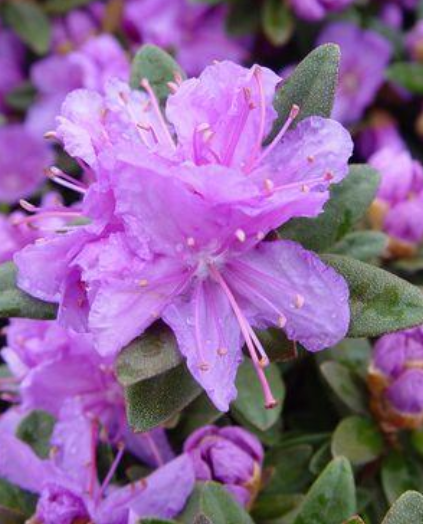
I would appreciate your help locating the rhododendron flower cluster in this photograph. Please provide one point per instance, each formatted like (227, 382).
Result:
(211, 256)
(180, 244)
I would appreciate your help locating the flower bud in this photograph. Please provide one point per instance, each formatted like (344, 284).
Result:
(230, 456)
(58, 505)
(396, 380)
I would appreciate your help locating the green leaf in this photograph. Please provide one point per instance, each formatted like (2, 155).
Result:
(157, 66)
(380, 302)
(320, 459)
(348, 203)
(157, 521)
(408, 509)
(346, 386)
(30, 23)
(243, 17)
(331, 499)
(354, 520)
(408, 75)
(353, 353)
(157, 382)
(200, 412)
(289, 469)
(311, 86)
(250, 402)
(14, 303)
(36, 430)
(277, 21)
(21, 97)
(55, 7)
(211, 503)
(358, 439)
(399, 474)
(16, 499)
(269, 507)
(9, 516)
(362, 245)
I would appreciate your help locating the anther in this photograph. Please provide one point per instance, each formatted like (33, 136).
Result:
(260, 235)
(299, 301)
(294, 111)
(305, 188)
(269, 185)
(282, 321)
(310, 159)
(50, 135)
(329, 176)
(143, 282)
(173, 87)
(190, 242)
(204, 366)
(222, 352)
(240, 235)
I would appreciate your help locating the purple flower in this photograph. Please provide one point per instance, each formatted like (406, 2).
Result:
(188, 214)
(68, 483)
(90, 66)
(11, 64)
(230, 456)
(313, 10)
(414, 42)
(400, 194)
(21, 176)
(53, 366)
(364, 57)
(17, 230)
(196, 33)
(396, 379)
(380, 132)
(76, 27)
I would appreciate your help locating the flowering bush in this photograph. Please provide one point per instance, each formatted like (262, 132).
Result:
(210, 258)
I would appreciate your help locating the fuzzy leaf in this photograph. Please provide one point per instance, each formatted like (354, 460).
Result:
(380, 302)
(36, 430)
(408, 75)
(346, 386)
(212, 504)
(250, 403)
(14, 303)
(277, 21)
(157, 66)
(348, 203)
(15, 499)
(399, 474)
(358, 439)
(408, 509)
(288, 467)
(29, 22)
(268, 507)
(362, 245)
(331, 499)
(156, 380)
(311, 86)
(56, 8)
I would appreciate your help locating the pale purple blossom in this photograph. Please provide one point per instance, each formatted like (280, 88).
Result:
(313, 10)
(397, 357)
(68, 483)
(22, 175)
(364, 57)
(231, 456)
(194, 32)
(89, 66)
(11, 64)
(414, 42)
(53, 366)
(400, 193)
(187, 210)
(381, 131)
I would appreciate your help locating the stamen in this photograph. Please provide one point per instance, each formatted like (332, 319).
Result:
(190, 242)
(143, 282)
(292, 116)
(222, 352)
(305, 187)
(282, 321)
(203, 365)
(258, 76)
(269, 185)
(173, 87)
(149, 129)
(146, 85)
(240, 235)
(47, 214)
(270, 401)
(51, 135)
(59, 177)
(154, 448)
(112, 471)
(238, 127)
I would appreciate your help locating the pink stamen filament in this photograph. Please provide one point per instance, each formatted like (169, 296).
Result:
(156, 107)
(112, 471)
(55, 171)
(237, 131)
(307, 184)
(154, 449)
(258, 75)
(48, 214)
(270, 401)
(292, 116)
(64, 180)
